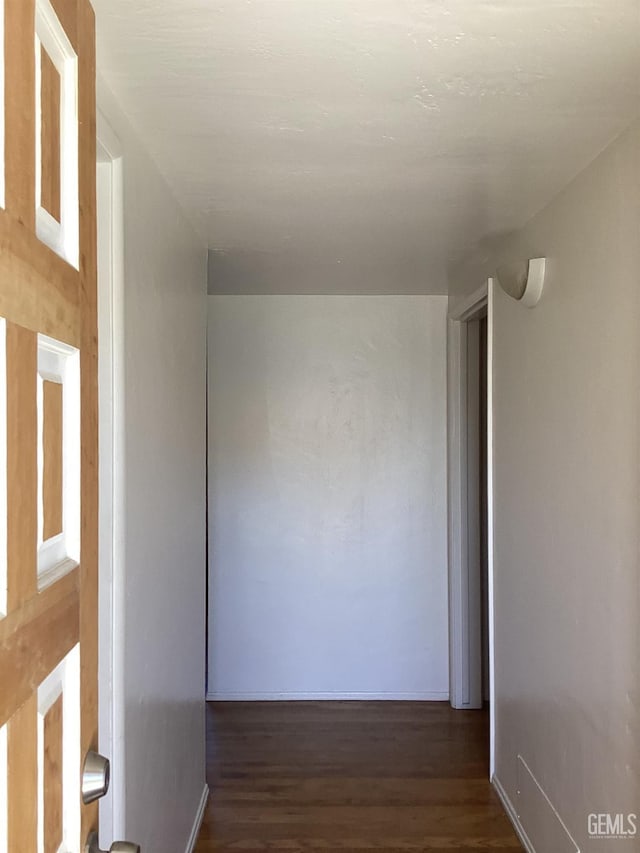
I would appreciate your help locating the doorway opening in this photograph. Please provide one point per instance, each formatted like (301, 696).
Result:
(470, 507)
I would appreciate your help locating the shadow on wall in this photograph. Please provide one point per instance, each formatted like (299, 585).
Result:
(236, 271)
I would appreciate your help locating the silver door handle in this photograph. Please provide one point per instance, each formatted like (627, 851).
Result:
(96, 774)
(92, 846)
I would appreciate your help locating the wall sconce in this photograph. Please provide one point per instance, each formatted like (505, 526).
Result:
(523, 280)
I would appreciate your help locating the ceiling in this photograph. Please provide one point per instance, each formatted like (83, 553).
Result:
(366, 145)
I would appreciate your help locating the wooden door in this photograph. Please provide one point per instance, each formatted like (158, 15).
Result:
(48, 424)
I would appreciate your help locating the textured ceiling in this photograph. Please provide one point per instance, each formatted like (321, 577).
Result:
(364, 145)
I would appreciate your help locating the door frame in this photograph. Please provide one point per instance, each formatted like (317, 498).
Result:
(110, 210)
(465, 645)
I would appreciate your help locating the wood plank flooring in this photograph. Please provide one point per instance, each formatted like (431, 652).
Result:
(350, 776)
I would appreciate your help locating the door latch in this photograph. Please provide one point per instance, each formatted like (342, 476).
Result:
(96, 774)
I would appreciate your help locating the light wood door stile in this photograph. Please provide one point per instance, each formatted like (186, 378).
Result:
(48, 426)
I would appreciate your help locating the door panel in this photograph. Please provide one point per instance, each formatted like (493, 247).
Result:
(52, 744)
(50, 100)
(48, 427)
(52, 463)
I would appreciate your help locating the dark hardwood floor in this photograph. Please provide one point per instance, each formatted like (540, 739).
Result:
(384, 776)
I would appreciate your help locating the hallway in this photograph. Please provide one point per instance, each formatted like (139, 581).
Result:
(385, 776)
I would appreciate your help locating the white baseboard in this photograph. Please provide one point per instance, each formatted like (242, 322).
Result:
(512, 815)
(197, 823)
(428, 696)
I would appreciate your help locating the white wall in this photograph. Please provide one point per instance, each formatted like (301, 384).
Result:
(327, 497)
(164, 560)
(567, 496)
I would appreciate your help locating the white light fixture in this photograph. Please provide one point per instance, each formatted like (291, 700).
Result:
(523, 280)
